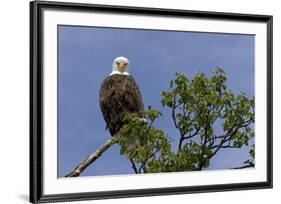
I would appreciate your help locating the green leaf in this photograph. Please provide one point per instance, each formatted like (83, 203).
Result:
(171, 83)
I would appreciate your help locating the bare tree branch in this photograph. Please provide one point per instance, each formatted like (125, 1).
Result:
(251, 164)
(192, 135)
(146, 160)
(92, 157)
(225, 146)
(174, 114)
(238, 126)
(134, 166)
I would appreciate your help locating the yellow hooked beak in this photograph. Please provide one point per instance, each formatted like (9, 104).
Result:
(121, 66)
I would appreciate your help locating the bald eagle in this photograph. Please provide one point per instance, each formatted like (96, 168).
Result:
(119, 94)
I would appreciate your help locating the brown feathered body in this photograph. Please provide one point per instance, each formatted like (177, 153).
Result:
(119, 94)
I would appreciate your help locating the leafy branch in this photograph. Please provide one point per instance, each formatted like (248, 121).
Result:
(201, 105)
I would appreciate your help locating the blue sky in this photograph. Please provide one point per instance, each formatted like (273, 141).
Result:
(85, 59)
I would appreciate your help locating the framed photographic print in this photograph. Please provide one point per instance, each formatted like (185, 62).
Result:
(132, 101)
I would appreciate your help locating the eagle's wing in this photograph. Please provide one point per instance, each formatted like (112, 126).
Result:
(119, 94)
(105, 95)
(133, 98)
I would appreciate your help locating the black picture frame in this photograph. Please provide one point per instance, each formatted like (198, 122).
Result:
(36, 101)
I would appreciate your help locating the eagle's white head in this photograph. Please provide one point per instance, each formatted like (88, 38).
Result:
(120, 66)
